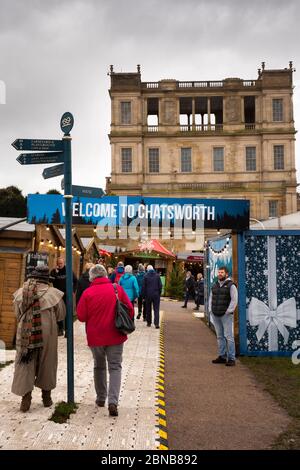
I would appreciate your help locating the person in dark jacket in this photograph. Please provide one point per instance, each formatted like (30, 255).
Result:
(199, 291)
(189, 288)
(141, 303)
(222, 302)
(151, 291)
(83, 281)
(59, 281)
(118, 273)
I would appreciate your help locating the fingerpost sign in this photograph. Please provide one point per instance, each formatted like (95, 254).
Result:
(66, 125)
(58, 151)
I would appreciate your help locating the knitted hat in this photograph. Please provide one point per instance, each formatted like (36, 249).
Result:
(40, 272)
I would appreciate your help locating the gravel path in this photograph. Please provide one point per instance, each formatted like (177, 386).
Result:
(210, 406)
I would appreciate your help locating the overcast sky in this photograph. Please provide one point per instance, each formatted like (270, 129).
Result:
(55, 55)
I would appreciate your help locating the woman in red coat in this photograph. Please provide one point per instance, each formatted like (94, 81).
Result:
(97, 309)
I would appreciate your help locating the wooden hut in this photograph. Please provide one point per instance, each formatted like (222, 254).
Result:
(16, 240)
(22, 246)
(154, 253)
(78, 251)
(49, 240)
(91, 253)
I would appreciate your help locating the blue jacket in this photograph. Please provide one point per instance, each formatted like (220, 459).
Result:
(152, 285)
(140, 279)
(130, 285)
(117, 274)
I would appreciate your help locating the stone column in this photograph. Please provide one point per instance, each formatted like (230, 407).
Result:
(113, 158)
(290, 109)
(139, 171)
(177, 112)
(193, 114)
(243, 110)
(144, 111)
(208, 112)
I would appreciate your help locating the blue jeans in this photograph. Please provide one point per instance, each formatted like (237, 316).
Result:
(224, 331)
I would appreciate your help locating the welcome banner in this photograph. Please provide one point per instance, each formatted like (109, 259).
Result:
(123, 210)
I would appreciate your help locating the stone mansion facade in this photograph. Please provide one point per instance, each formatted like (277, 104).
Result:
(230, 138)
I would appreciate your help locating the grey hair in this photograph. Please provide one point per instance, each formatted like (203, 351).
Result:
(141, 267)
(150, 267)
(128, 268)
(97, 271)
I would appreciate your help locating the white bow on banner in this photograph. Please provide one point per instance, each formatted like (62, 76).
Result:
(272, 317)
(284, 315)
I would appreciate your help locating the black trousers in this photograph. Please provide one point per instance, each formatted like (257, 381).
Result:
(141, 306)
(154, 301)
(188, 295)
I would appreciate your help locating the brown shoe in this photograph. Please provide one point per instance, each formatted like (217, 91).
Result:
(230, 363)
(26, 402)
(100, 403)
(113, 409)
(46, 397)
(219, 360)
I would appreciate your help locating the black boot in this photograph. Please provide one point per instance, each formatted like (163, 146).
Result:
(46, 397)
(26, 402)
(113, 409)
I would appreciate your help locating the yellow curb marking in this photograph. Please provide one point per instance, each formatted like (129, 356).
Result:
(162, 447)
(162, 422)
(163, 434)
(160, 395)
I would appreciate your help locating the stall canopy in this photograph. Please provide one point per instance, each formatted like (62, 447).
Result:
(149, 246)
(191, 256)
(103, 252)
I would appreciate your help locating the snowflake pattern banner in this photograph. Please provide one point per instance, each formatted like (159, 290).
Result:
(273, 288)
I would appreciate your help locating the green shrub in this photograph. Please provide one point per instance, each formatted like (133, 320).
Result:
(62, 412)
(175, 286)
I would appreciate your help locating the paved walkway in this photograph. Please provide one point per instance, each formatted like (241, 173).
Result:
(91, 427)
(210, 406)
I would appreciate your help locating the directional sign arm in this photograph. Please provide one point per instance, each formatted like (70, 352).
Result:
(53, 171)
(39, 158)
(38, 144)
(86, 191)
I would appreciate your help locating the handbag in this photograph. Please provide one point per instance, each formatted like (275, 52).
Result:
(123, 322)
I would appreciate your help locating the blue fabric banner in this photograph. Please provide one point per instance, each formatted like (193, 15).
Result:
(121, 210)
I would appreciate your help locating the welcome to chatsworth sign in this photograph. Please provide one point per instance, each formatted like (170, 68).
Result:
(120, 211)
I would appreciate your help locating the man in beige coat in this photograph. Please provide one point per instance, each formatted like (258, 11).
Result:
(38, 308)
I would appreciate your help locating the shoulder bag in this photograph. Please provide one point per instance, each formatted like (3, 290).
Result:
(123, 322)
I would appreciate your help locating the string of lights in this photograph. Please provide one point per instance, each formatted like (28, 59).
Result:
(223, 250)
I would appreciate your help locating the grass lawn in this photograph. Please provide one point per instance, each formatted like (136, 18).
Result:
(63, 411)
(281, 378)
